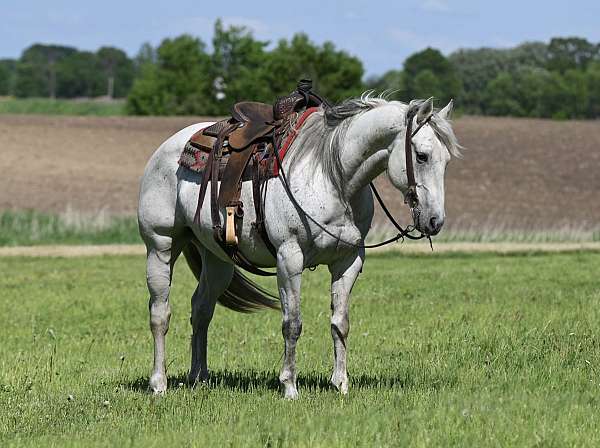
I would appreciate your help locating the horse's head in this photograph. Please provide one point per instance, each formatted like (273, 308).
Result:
(432, 145)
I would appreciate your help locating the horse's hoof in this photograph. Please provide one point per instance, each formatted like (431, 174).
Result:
(158, 384)
(197, 378)
(340, 383)
(290, 393)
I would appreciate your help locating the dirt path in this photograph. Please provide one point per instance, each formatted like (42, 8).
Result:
(135, 249)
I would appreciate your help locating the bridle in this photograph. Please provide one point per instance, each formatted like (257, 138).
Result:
(411, 198)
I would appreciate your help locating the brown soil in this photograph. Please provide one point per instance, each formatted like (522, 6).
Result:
(516, 173)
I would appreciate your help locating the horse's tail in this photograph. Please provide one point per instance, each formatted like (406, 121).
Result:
(242, 294)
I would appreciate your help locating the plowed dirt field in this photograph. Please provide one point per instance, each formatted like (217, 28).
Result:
(516, 173)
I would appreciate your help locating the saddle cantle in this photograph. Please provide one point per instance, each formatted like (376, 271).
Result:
(242, 148)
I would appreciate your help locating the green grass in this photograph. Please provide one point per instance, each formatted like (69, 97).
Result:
(47, 106)
(444, 350)
(26, 228)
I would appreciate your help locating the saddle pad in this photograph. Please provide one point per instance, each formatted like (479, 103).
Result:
(194, 156)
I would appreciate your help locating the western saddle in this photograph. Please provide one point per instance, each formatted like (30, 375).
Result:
(247, 146)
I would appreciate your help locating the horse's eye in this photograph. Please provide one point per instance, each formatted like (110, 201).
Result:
(422, 157)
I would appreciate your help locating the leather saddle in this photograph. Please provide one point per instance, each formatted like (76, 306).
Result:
(236, 144)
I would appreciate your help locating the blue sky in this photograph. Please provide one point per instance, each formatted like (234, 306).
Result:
(380, 33)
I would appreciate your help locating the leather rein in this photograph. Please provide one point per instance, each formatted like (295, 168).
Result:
(410, 197)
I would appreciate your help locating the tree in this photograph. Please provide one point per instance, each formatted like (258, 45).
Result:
(501, 97)
(427, 84)
(238, 67)
(178, 84)
(445, 79)
(118, 71)
(79, 75)
(476, 68)
(336, 75)
(36, 70)
(570, 53)
(7, 76)
(391, 81)
(145, 56)
(592, 80)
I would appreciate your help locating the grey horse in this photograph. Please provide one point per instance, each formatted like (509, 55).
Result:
(337, 153)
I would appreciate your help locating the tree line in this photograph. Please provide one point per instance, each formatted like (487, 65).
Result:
(559, 79)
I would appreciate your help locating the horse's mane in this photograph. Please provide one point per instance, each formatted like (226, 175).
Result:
(322, 134)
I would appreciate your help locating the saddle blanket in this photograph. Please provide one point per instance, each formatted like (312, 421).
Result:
(195, 157)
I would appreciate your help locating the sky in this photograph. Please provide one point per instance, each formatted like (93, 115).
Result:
(381, 33)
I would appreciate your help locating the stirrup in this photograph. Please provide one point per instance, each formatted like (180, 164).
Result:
(230, 237)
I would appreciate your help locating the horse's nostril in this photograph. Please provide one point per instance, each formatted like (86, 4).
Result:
(433, 222)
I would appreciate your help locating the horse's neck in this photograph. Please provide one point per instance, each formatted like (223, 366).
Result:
(365, 154)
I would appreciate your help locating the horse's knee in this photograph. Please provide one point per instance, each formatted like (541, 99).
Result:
(340, 325)
(291, 328)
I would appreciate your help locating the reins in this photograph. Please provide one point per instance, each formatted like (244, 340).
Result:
(411, 197)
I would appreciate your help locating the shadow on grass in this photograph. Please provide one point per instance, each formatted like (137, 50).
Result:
(252, 380)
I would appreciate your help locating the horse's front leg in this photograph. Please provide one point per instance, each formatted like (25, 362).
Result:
(343, 276)
(290, 263)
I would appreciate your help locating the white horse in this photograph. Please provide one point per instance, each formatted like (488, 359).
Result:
(337, 153)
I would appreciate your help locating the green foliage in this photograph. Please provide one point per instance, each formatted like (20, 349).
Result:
(240, 68)
(36, 70)
(236, 68)
(117, 69)
(47, 106)
(428, 73)
(64, 72)
(571, 53)
(558, 79)
(335, 74)
(444, 350)
(24, 228)
(391, 81)
(178, 84)
(79, 75)
(555, 80)
(7, 76)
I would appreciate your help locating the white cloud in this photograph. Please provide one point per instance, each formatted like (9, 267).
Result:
(435, 5)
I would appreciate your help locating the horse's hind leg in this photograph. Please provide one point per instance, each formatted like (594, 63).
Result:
(343, 276)
(161, 255)
(215, 278)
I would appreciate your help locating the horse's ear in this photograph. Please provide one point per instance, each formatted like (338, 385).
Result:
(425, 110)
(446, 112)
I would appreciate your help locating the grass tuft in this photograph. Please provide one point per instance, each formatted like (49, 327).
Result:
(26, 228)
(48, 106)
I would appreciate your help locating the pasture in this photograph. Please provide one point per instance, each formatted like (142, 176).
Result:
(444, 350)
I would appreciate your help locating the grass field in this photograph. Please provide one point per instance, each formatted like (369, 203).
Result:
(48, 106)
(445, 350)
(29, 227)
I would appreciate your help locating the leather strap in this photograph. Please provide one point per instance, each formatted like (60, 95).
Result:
(258, 206)
(232, 176)
(411, 198)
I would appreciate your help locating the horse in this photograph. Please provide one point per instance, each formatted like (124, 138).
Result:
(338, 151)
